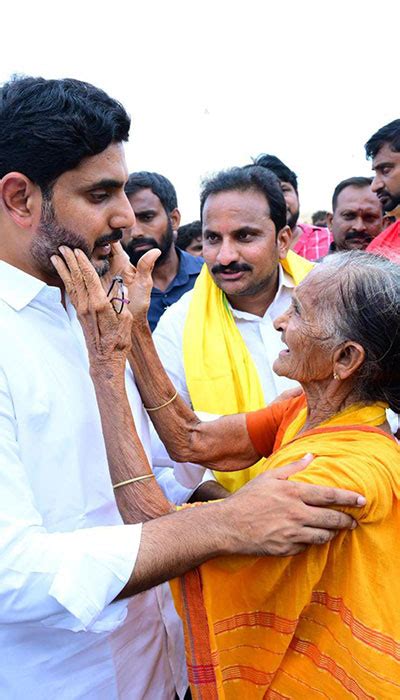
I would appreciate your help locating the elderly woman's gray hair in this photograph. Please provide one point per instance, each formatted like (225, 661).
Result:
(365, 307)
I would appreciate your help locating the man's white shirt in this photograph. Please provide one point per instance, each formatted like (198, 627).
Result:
(262, 340)
(64, 552)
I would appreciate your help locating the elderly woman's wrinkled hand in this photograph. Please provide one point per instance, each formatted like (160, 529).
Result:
(120, 266)
(138, 280)
(107, 333)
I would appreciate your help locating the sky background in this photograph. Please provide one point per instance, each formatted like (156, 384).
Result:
(209, 84)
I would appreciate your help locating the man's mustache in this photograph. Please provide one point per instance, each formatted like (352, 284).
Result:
(232, 267)
(382, 193)
(357, 234)
(115, 235)
(139, 242)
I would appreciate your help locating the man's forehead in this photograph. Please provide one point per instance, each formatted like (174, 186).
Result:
(144, 199)
(353, 197)
(385, 154)
(109, 165)
(237, 204)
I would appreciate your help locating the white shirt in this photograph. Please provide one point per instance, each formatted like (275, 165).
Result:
(262, 340)
(64, 552)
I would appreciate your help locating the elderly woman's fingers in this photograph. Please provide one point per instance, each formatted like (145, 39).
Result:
(62, 270)
(147, 261)
(328, 496)
(119, 259)
(76, 288)
(90, 277)
(97, 295)
(65, 274)
(119, 265)
(107, 334)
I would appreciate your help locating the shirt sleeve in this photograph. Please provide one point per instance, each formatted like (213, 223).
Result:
(263, 426)
(58, 579)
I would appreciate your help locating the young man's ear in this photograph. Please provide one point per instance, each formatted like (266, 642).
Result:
(175, 218)
(284, 241)
(329, 218)
(347, 359)
(21, 198)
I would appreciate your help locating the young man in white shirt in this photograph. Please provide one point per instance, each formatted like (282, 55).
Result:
(70, 564)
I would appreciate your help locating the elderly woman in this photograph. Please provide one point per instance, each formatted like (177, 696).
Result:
(325, 623)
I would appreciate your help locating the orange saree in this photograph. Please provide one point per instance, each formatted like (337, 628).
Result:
(326, 623)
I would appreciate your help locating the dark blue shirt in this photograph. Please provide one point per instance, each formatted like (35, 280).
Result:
(189, 268)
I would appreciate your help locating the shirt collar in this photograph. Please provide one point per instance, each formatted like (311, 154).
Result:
(18, 289)
(285, 282)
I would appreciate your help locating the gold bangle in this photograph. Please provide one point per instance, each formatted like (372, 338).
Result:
(163, 405)
(132, 481)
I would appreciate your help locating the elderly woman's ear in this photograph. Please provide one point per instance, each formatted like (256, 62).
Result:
(347, 359)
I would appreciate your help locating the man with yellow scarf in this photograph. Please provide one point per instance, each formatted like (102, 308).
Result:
(218, 343)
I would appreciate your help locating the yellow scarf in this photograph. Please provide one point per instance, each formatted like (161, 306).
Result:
(220, 373)
(322, 624)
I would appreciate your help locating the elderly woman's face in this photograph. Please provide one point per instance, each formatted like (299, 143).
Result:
(309, 352)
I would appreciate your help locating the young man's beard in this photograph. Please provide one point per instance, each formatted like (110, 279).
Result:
(50, 235)
(164, 245)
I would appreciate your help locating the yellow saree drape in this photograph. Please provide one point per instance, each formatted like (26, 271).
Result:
(220, 373)
(326, 623)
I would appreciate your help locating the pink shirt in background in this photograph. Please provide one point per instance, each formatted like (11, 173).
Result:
(313, 243)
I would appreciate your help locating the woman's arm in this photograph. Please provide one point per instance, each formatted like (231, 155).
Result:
(108, 340)
(223, 444)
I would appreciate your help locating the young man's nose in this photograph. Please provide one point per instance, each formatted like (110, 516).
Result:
(123, 216)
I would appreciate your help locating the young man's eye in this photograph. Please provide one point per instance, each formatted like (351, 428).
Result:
(99, 196)
(211, 237)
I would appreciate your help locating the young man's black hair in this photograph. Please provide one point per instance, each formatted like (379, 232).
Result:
(68, 121)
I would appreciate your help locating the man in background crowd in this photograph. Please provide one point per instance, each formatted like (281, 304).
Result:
(357, 215)
(320, 218)
(157, 218)
(190, 238)
(311, 242)
(218, 343)
(384, 149)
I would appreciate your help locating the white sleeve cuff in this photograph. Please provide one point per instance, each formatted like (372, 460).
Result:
(92, 574)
